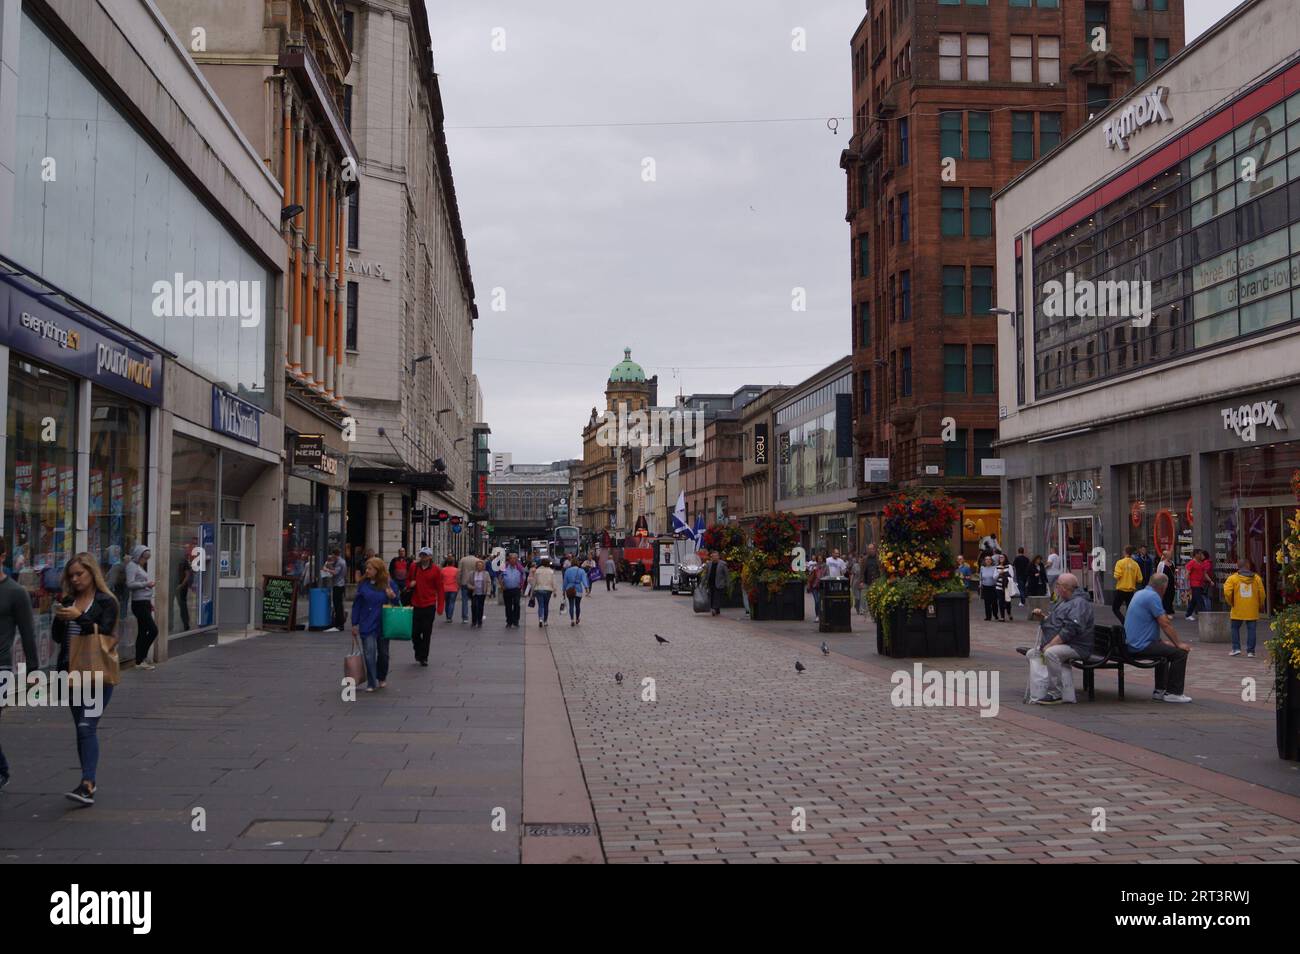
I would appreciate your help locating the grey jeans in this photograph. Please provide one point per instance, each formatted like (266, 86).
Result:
(1056, 658)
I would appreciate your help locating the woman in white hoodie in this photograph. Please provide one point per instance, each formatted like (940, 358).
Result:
(542, 583)
(140, 584)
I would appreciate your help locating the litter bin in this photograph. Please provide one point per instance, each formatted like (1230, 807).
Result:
(837, 606)
(320, 615)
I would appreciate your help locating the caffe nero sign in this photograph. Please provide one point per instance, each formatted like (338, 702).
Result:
(235, 417)
(33, 328)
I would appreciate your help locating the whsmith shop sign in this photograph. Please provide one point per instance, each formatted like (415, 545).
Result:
(235, 417)
(34, 328)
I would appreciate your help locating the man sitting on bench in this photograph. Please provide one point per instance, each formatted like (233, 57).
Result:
(1067, 633)
(1149, 632)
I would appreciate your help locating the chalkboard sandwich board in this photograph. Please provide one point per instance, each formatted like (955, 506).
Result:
(279, 602)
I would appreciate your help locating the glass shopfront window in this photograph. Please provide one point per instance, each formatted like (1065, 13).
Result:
(1074, 524)
(302, 530)
(40, 480)
(1159, 514)
(119, 459)
(1254, 502)
(193, 529)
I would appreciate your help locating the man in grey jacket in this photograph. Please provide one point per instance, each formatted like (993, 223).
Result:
(15, 615)
(468, 564)
(717, 577)
(1067, 633)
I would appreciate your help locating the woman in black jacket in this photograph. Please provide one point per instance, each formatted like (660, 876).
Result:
(87, 603)
(1038, 577)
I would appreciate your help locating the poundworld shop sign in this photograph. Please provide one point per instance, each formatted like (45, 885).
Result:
(1151, 107)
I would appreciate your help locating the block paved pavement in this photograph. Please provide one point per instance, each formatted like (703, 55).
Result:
(255, 732)
(736, 741)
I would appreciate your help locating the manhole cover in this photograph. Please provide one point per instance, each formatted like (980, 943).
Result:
(543, 829)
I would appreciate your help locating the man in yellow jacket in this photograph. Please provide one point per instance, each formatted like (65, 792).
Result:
(1244, 592)
(1127, 577)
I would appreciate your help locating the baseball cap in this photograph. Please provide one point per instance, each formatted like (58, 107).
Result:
(426, 551)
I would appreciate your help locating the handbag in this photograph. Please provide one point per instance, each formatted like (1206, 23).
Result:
(95, 652)
(398, 622)
(354, 664)
(532, 601)
(700, 598)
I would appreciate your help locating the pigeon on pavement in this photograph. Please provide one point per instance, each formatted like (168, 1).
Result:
(826, 650)
(660, 639)
(618, 678)
(799, 667)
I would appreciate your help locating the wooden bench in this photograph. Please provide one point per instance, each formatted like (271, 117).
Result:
(1108, 652)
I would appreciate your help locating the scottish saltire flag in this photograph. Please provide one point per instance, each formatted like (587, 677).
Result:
(698, 532)
(679, 515)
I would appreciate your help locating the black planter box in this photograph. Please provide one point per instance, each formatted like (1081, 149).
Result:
(942, 629)
(786, 605)
(1288, 719)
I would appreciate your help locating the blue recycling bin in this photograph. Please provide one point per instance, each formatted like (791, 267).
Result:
(320, 615)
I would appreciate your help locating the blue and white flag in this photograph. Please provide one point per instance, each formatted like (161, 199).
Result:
(679, 515)
(698, 532)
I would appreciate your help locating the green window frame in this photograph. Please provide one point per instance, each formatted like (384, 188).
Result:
(1049, 132)
(981, 289)
(864, 255)
(950, 134)
(977, 135)
(905, 373)
(954, 456)
(1141, 64)
(1161, 52)
(1022, 136)
(954, 290)
(952, 214)
(984, 439)
(981, 213)
(864, 324)
(954, 369)
(982, 376)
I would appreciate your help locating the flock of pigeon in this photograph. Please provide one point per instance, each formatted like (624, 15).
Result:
(798, 666)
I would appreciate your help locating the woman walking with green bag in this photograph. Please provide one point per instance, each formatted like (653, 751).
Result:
(373, 594)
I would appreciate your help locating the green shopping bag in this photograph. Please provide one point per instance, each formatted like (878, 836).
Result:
(398, 622)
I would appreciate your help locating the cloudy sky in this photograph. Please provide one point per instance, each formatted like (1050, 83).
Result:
(550, 142)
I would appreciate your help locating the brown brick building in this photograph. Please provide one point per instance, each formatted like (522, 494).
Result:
(990, 86)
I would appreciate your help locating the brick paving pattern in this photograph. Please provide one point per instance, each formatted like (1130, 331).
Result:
(737, 740)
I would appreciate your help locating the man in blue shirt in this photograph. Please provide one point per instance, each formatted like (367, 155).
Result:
(513, 578)
(1149, 633)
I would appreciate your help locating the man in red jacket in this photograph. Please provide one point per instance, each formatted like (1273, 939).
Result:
(1199, 579)
(424, 584)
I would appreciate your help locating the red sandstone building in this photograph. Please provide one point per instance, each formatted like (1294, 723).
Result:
(991, 87)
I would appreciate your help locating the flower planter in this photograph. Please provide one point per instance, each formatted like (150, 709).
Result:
(940, 630)
(785, 605)
(1288, 719)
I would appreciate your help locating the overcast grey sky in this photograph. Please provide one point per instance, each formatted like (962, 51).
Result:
(692, 271)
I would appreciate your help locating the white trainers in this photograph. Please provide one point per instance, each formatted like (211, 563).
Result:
(1235, 652)
(1158, 696)
(1174, 697)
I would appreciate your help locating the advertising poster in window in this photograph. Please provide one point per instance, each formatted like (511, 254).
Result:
(22, 507)
(67, 496)
(95, 536)
(115, 499)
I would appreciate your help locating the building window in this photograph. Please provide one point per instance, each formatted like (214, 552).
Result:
(1049, 59)
(353, 292)
(950, 134)
(1022, 59)
(981, 213)
(954, 369)
(905, 295)
(1019, 3)
(864, 255)
(1160, 6)
(984, 447)
(904, 218)
(905, 386)
(1048, 4)
(949, 56)
(1022, 137)
(866, 392)
(954, 290)
(1098, 97)
(349, 19)
(902, 142)
(982, 369)
(1162, 52)
(977, 56)
(1049, 132)
(977, 141)
(1141, 65)
(864, 324)
(954, 456)
(981, 289)
(354, 219)
(952, 213)
(889, 221)
(1096, 14)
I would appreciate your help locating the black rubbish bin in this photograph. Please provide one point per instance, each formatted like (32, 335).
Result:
(837, 606)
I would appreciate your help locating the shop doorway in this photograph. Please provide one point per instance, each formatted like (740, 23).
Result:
(1075, 536)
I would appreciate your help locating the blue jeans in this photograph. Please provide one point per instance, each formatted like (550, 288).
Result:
(451, 605)
(817, 603)
(1250, 634)
(465, 594)
(575, 607)
(375, 648)
(88, 736)
(543, 598)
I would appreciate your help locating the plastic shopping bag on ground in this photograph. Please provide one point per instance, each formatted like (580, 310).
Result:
(700, 597)
(1039, 677)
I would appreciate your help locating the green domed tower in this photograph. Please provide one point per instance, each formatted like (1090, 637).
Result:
(628, 386)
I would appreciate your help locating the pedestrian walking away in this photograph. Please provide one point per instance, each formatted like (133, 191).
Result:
(15, 619)
(86, 606)
(513, 578)
(1128, 575)
(425, 583)
(450, 585)
(576, 585)
(139, 583)
(469, 565)
(611, 573)
(1198, 581)
(1053, 571)
(374, 592)
(1149, 633)
(1020, 566)
(717, 580)
(542, 585)
(1244, 594)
